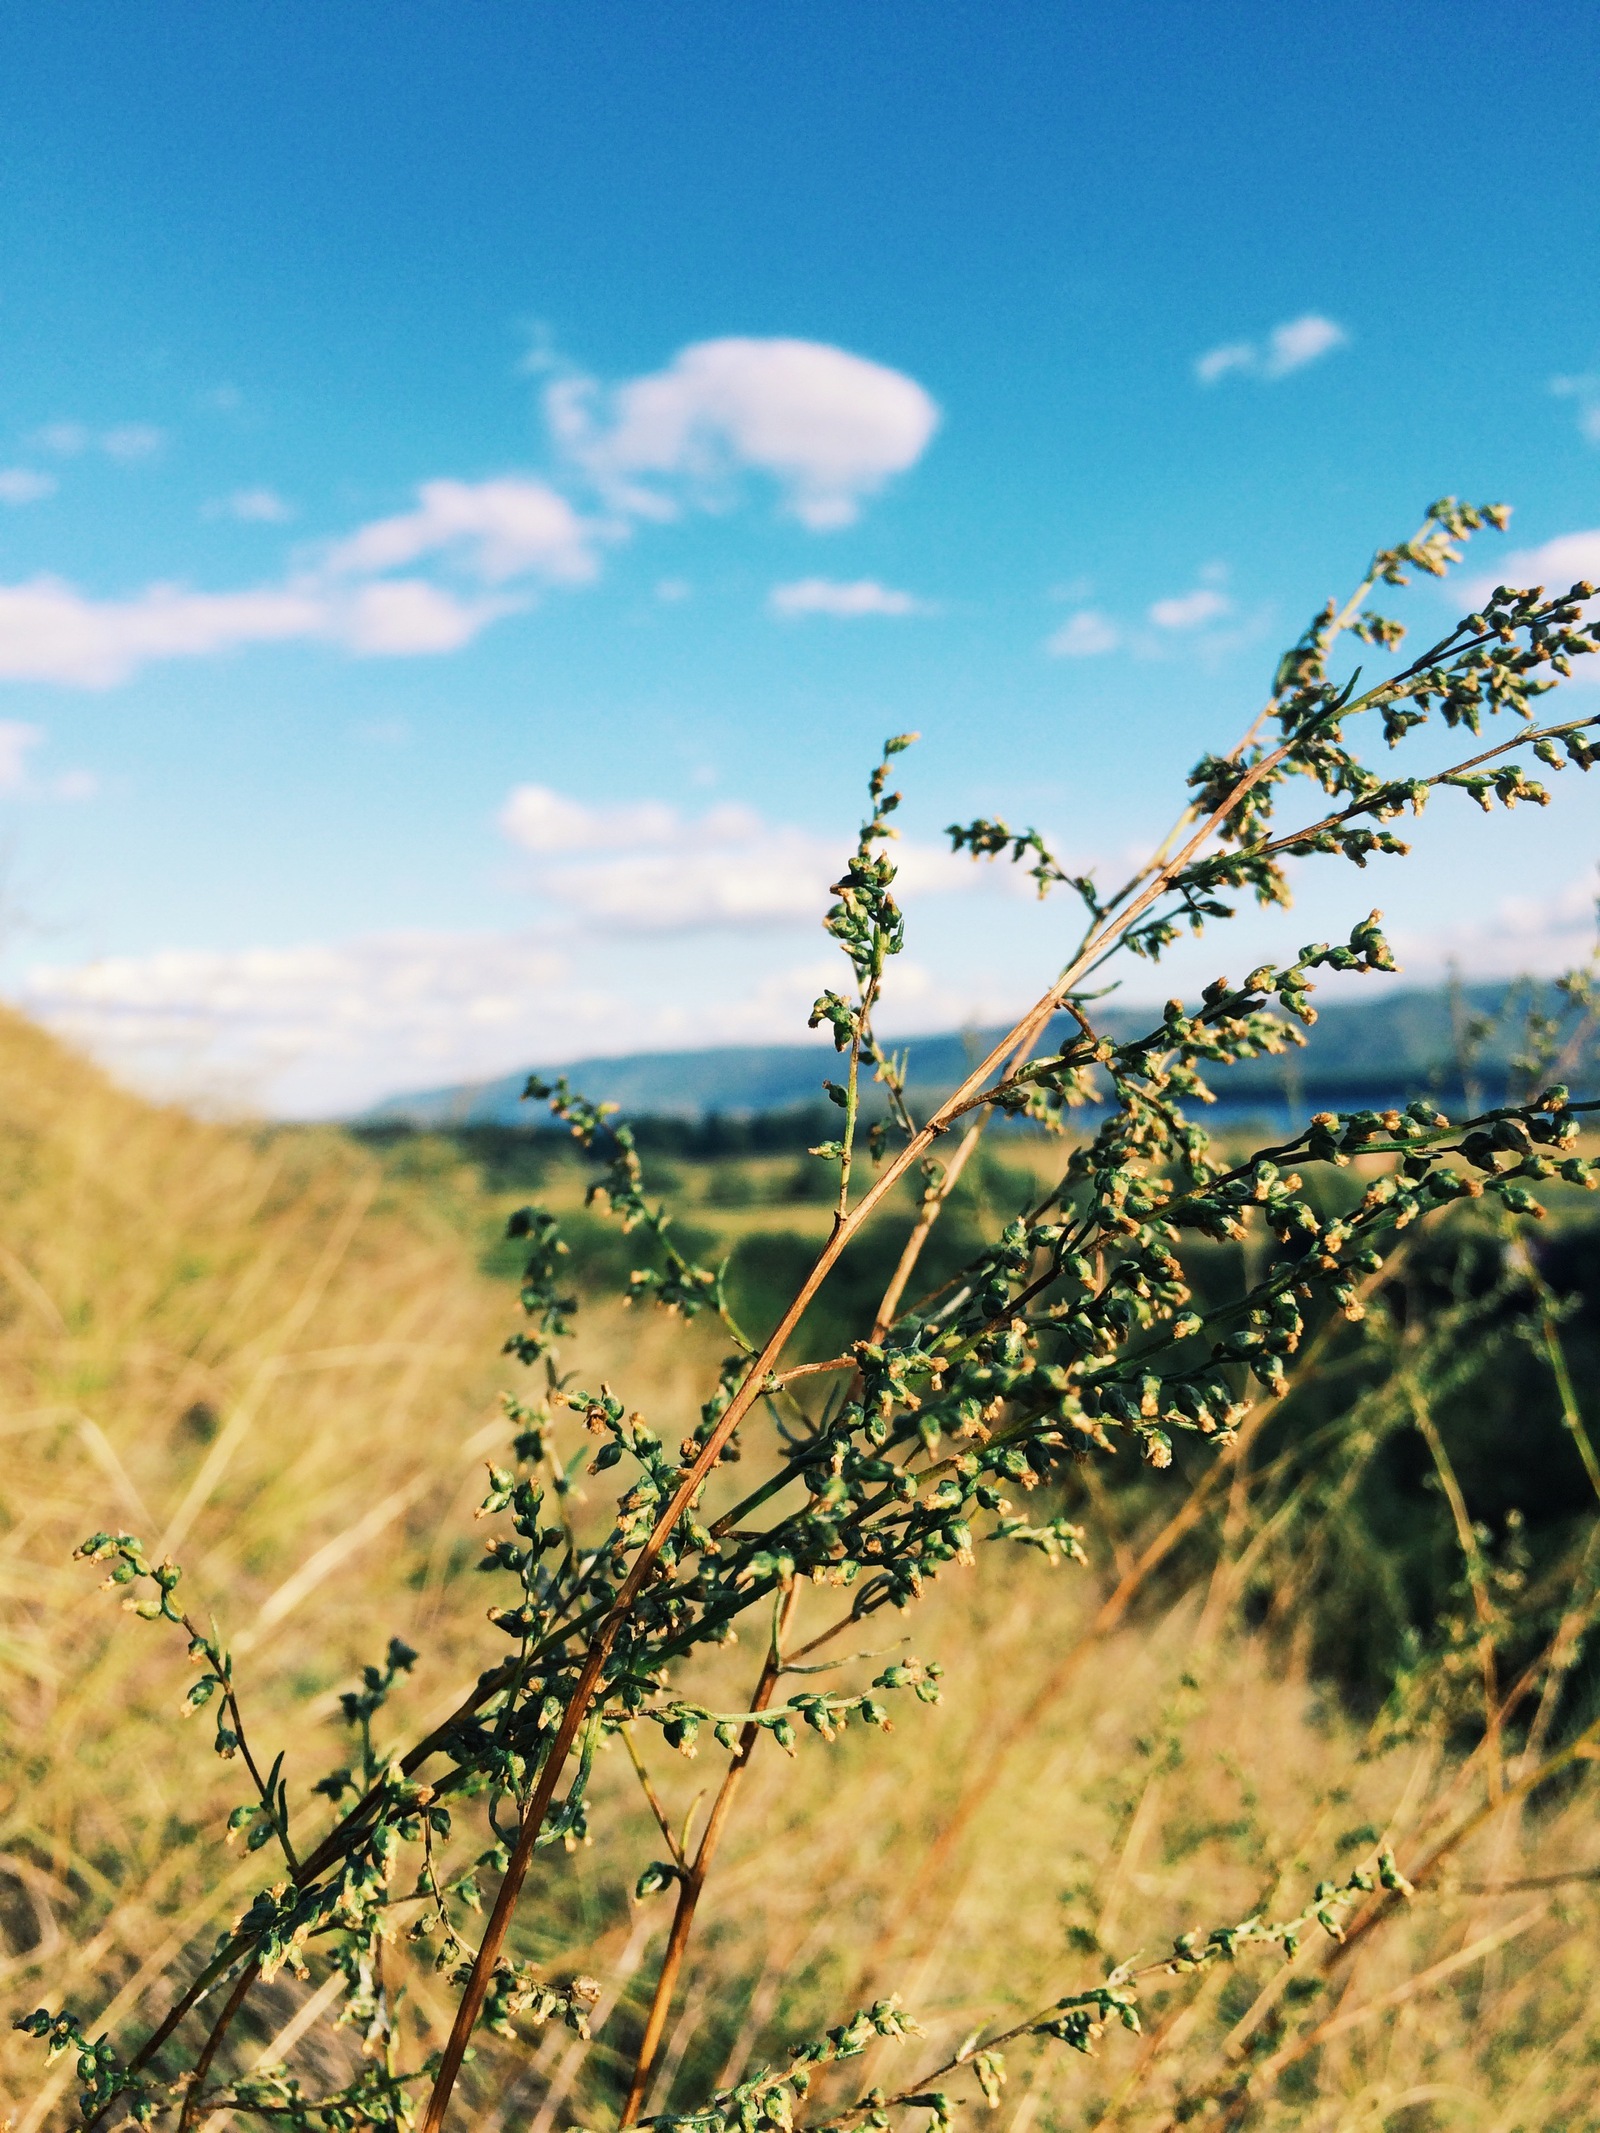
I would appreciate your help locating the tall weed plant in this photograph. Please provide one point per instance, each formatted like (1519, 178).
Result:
(430, 1903)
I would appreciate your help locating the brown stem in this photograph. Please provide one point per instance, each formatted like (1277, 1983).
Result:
(213, 2043)
(170, 2021)
(693, 1879)
(932, 1208)
(811, 1370)
(1472, 1557)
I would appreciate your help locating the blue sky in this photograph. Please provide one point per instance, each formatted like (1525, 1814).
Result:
(477, 484)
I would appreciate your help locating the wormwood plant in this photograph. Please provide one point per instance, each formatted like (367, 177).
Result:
(1072, 1332)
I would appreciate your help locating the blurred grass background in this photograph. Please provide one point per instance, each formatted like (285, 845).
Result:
(275, 1355)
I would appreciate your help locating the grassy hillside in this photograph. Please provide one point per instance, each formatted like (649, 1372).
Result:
(276, 1359)
(276, 1354)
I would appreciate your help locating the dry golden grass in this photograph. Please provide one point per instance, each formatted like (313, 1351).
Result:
(268, 1358)
(277, 1356)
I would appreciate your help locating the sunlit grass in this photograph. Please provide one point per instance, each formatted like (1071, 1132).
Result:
(277, 1354)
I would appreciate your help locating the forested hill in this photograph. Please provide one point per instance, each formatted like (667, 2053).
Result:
(1395, 1044)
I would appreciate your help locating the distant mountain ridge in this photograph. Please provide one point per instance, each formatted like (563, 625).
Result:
(1395, 1045)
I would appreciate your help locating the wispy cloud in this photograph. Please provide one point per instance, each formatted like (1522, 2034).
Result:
(1288, 348)
(1570, 559)
(52, 632)
(312, 1024)
(1536, 935)
(1090, 633)
(1085, 635)
(25, 485)
(542, 821)
(648, 868)
(132, 441)
(494, 531)
(613, 960)
(66, 439)
(1190, 610)
(826, 596)
(322, 1028)
(126, 441)
(252, 507)
(17, 739)
(831, 428)
(1585, 391)
(498, 530)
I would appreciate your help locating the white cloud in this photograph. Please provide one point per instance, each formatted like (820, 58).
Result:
(1558, 564)
(126, 441)
(49, 631)
(542, 821)
(52, 632)
(1539, 936)
(401, 618)
(1288, 348)
(1192, 610)
(252, 507)
(825, 596)
(1084, 636)
(1586, 391)
(502, 529)
(781, 876)
(830, 427)
(319, 1026)
(1302, 341)
(23, 485)
(132, 441)
(65, 438)
(646, 868)
(1234, 355)
(616, 960)
(318, 1029)
(16, 739)
(1569, 559)
(323, 1028)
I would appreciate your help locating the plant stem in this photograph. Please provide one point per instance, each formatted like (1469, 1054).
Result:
(932, 1207)
(693, 1879)
(1472, 1556)
(213, 2043)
